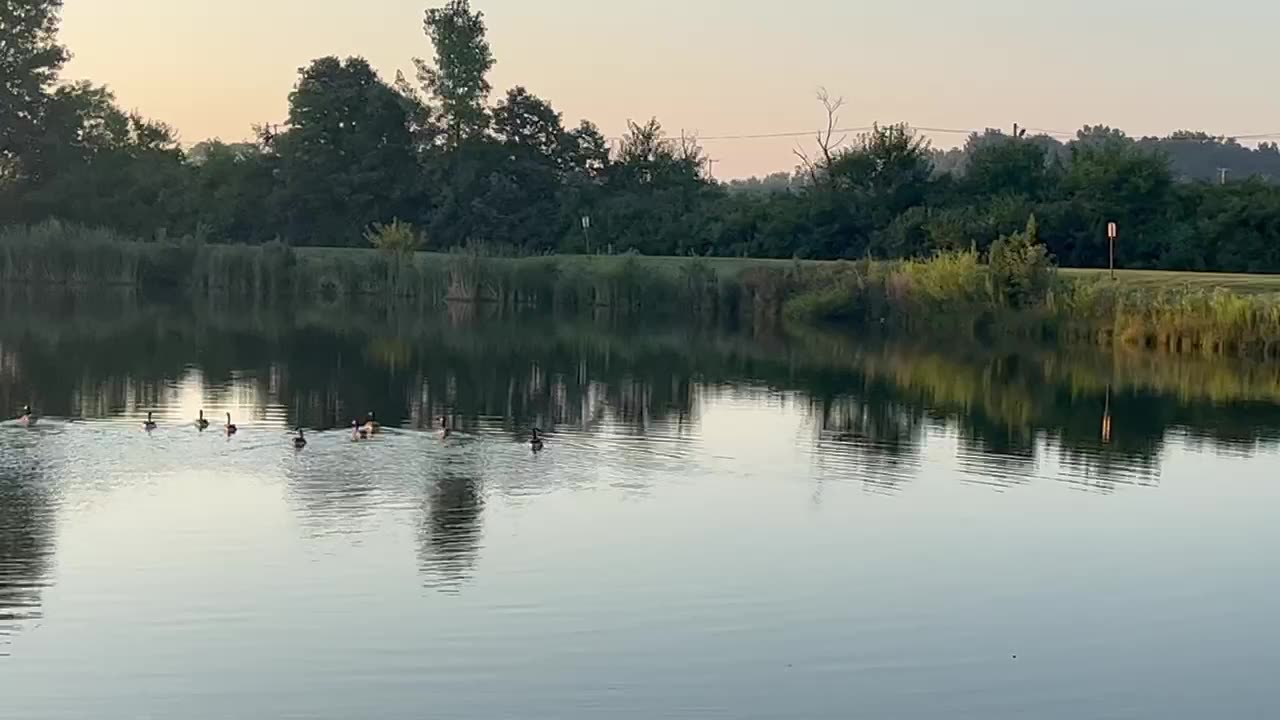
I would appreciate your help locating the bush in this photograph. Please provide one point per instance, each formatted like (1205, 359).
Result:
(1021, 272)
(397, 238)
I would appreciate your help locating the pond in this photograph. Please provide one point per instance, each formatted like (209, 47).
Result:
(730, 522)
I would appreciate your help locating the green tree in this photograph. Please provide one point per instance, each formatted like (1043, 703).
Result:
(1021, 272)
(587, 150)
(655, 197)
(458, 81)
(30, 59)
(889, 167)
(1110, 178)
(231, 186)
(348, 159)
(528, 123)
(1008, 165)
(93, 163)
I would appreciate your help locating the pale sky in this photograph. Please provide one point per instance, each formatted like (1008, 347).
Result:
(212, 68)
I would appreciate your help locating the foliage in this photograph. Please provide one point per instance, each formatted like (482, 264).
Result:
(30, 59)
(358, 151)
(348, 158)
(395, 238)
(458, 81)
(1021, 273)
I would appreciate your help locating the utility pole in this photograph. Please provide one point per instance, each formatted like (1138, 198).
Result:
(1222, 175)
(1113, 231)
(711, 168)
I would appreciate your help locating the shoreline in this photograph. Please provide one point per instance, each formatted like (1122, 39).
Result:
(949, 295)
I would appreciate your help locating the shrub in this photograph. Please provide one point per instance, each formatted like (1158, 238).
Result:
(396, 238)
(1021, 272)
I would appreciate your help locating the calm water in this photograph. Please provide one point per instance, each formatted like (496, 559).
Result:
(724, 523)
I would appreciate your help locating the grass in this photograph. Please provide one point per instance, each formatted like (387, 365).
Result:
(954, 293)
(1166, 279)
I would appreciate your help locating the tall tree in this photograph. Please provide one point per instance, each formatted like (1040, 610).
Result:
(656, 193)
(587, 150)
(348, 159)
(1110, 178)
(232, 184)
(458, 80)
(30, 58)
(1002, 164)
(93, 163)
(525, 121)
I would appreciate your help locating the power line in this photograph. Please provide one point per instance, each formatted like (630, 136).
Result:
(958, 131)
(919, 128)
(836, 131)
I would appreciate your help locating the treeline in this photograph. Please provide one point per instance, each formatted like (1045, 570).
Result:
(512, 176)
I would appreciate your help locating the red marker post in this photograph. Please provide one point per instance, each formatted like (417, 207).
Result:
(1112, 233)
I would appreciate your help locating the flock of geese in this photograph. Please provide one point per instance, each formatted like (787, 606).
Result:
(359, 431)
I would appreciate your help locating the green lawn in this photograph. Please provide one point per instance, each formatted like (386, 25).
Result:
(1153, 279)
(728, 266)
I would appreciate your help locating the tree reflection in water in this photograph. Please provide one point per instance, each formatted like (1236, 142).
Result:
(27, 536)
(1014, 415)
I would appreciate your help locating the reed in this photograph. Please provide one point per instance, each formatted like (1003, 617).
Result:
(957, 294)
(951, 294)
(55, 254)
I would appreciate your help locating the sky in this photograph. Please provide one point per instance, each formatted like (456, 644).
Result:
(721, 67)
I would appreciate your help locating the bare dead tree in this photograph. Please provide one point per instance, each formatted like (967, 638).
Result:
(689, 149)
(828, 144)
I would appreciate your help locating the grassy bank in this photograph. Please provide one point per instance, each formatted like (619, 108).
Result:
(1243, 284)
(56, 255)
(960, 293)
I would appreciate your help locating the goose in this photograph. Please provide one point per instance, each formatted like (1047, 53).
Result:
(150, 424)
(300, 441)
(201, 422)
(535, 442)
(231, 427)
(28, 418)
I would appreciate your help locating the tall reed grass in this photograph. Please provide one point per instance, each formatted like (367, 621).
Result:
(58, 255)
(953, 293)
(956, 293)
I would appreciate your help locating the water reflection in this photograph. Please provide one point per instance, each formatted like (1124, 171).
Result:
(625, 403)
(450, 535)
(922, 505)
(27, 511)
(107, 359)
